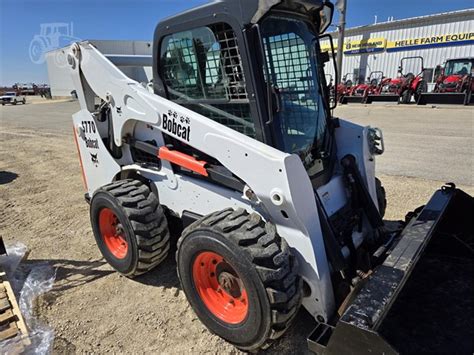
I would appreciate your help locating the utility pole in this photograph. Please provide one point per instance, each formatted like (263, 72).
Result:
(341, 6)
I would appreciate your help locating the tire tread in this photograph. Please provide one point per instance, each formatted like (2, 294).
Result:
(276, 267)
(148, 221)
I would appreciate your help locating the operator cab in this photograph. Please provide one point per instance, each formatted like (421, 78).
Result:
(459, 67)
(255, 67)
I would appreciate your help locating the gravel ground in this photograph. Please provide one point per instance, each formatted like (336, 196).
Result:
(92, 308)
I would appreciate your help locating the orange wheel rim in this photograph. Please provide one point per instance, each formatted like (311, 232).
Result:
(220, 288)
(112, 233)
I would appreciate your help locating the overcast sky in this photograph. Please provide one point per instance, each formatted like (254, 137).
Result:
(20, 21)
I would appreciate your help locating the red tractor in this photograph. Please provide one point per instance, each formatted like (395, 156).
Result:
(402, 88)
(454, 84)
(360, 92)
(344, 87)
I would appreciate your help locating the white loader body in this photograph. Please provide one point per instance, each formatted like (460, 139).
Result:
(277, 185)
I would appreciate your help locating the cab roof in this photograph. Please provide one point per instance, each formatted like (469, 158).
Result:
(245, 11)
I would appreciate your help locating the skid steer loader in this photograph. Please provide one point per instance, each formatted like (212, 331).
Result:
(278, 199)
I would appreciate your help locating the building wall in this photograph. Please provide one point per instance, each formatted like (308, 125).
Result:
(58, 70)
(461, 22)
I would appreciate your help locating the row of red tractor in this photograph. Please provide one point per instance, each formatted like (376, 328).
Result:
(454, 84)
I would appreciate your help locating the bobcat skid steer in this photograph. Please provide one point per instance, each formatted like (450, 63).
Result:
(234, 139)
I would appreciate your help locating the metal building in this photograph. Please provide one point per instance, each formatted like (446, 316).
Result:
(58, 70)
(381, 46)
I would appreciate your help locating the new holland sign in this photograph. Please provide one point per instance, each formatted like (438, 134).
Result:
(431, 42)
(371, 45)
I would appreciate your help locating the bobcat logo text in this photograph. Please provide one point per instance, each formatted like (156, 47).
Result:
(177, 125)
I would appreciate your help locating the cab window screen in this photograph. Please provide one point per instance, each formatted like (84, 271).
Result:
(202, 70)
(292, 68)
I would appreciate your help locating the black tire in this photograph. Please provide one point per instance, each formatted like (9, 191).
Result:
(262, 261)
(23, 101)
(381, 197)
(406, 97)
(14, 102)
(143, 224)
(420, 89)
(467, 97)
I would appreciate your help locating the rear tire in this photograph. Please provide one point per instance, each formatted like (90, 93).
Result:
(130, 227)
(264, 270)
(381, 197)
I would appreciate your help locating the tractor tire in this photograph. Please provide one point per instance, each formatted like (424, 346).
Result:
(130, 227)
(467, 97)
(420, 89)
(240, 277)
(406, 97)
(38, 48)
(381, 197)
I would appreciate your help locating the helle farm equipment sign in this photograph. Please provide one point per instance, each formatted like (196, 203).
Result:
(377, 45)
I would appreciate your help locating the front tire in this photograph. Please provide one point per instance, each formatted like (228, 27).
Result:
(14, 102)
(130, 227)
(421, 88)
(240, 277)
(406, 97)
(37, 50)
(468, 96)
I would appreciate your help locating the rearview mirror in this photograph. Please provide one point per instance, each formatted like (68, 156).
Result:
(325, 14)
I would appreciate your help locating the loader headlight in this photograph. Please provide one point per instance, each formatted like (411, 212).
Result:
(375, 140)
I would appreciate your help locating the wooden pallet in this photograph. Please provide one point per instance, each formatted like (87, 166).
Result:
(12, 324)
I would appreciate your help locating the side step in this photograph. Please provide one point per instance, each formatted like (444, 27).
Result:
(319, 338)
(420, 299)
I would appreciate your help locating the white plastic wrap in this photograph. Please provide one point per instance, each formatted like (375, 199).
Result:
(39, 279)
